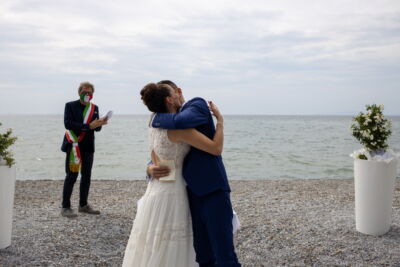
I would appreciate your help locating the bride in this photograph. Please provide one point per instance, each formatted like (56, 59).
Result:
(161, 234)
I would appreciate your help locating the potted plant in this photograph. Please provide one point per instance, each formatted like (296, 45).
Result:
(375, 168)
(7, 187)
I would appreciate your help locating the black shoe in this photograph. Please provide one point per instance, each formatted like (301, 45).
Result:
(88, 209)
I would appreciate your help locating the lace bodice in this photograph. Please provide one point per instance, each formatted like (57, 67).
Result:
(165, 149)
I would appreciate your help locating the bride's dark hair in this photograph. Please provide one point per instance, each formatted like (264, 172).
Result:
(153, 96)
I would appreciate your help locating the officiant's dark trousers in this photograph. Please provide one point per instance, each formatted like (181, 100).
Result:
(70, 179)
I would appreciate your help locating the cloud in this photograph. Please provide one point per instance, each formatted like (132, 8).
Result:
(211, 47)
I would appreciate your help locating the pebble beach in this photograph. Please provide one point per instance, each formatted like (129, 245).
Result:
(283, 223)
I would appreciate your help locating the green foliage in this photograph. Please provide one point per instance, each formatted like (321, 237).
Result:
(361, 156)
(6, 140)
(371, 129)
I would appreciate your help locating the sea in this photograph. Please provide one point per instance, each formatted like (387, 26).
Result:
(256, 147)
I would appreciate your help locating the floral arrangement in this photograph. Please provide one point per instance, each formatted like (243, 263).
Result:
(6, 140)
(372, 130)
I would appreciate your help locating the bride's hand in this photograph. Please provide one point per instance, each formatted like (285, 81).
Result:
(157, 172)
(215, 111)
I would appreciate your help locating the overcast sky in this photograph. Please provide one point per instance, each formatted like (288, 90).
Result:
(250, 57)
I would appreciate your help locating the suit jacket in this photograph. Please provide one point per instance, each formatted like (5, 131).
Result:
(73, 120)
(204, 173)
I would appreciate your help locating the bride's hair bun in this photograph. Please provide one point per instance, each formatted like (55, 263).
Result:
(153, 96)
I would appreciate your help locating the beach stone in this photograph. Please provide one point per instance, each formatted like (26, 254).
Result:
(283, 223)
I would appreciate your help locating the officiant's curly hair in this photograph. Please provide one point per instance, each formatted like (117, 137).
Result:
(85, 85)
(153, 96)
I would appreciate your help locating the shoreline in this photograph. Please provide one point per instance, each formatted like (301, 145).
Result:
(291, 222)
(230, 180)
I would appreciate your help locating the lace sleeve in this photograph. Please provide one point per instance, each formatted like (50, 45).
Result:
(151, 139)
(151, 133)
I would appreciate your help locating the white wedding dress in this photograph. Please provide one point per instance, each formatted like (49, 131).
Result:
(162, 231)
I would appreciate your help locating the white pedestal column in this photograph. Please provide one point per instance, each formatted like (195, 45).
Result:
(374, 186)
(7, 188)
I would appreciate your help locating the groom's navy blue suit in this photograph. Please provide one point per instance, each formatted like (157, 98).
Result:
(207, 186)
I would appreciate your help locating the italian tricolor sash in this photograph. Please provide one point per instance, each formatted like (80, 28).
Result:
(75, 155)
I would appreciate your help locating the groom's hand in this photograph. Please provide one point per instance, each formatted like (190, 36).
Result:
(157, 171)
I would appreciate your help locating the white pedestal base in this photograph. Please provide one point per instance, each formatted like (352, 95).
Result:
(7, 188)
(374, 186)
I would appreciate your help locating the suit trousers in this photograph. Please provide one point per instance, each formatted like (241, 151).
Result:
(212, 229)
(70, 179)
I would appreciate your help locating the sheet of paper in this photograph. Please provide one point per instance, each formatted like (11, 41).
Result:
(171, 165)
(108, 115)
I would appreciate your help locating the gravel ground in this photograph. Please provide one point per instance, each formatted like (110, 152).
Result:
(284, 223)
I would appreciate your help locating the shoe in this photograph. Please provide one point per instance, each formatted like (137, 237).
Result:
(88, 209)
(68, 212)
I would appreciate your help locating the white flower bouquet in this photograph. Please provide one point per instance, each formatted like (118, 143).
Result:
(372, 130)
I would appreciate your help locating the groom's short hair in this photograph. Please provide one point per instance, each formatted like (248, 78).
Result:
(170, 83)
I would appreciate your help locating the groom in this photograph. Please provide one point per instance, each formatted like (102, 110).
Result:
(207, 185)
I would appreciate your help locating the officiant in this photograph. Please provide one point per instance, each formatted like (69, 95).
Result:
(81, 120)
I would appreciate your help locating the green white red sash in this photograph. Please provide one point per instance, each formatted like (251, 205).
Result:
(75, 155)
